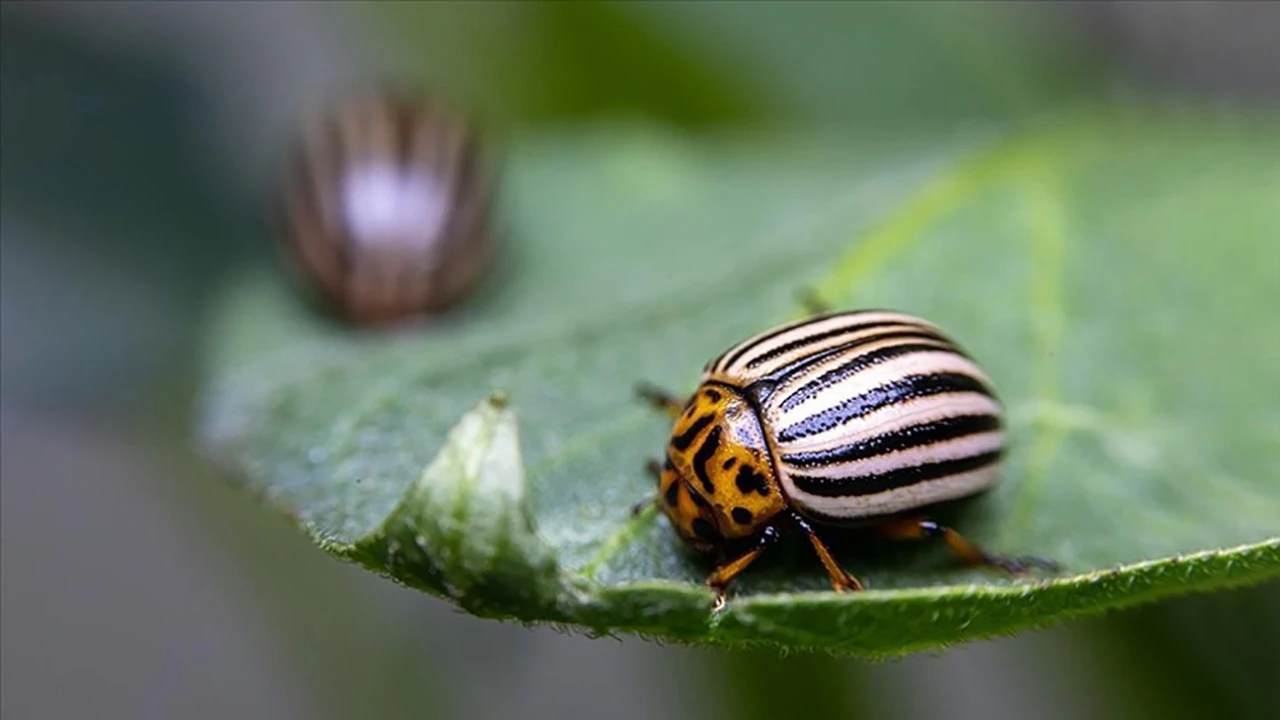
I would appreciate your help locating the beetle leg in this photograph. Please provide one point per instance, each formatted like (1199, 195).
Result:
(969, 552)
(641, 505)
(661, 399)
(654, 468)
(813, 303)
(841, 580)
(720, 579)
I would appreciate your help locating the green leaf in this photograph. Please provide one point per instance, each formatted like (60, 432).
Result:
(1115, 273)
(707, 65)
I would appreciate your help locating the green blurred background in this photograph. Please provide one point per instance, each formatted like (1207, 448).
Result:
(138, 139)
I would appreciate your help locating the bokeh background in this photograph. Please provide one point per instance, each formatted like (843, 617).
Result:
(138, 139)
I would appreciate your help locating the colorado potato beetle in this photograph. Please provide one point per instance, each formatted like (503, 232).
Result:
(384, 206)
(859, 418)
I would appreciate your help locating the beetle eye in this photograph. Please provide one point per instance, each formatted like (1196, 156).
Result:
(705, 531)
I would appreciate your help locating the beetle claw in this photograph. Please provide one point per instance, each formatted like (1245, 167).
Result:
(1019, 565)
(718, 604)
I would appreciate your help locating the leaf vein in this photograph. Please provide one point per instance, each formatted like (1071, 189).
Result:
(618, 540)
(1046, 234)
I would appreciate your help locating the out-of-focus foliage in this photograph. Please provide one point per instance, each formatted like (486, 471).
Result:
(706, 65)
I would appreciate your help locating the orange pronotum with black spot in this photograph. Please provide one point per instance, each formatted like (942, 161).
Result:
(718, 482)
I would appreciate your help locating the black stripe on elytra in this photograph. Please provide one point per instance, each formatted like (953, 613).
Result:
(906, 438)
(798, 343)
(465, 177)
(459, 182)
(402, 118)
(308, 186)
(890, 393)
(731, 356)
(477, 190)
(340, 165)
(901, 477)
(298, 198)
(401, 122)
(703, 456)
(804, 362)
(860, 363)
(682, 441)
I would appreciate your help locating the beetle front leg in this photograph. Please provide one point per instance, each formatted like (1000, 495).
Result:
(720, 579)
(654, 467)
(661, 399)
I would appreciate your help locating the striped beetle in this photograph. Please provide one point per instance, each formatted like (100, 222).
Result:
(854, 418)
(384, 206)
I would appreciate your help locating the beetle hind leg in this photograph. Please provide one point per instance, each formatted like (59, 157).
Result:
(971, 553)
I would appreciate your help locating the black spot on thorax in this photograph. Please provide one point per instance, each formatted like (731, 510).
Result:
(748, 480)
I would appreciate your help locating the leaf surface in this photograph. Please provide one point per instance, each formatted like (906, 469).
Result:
(1115, 273)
